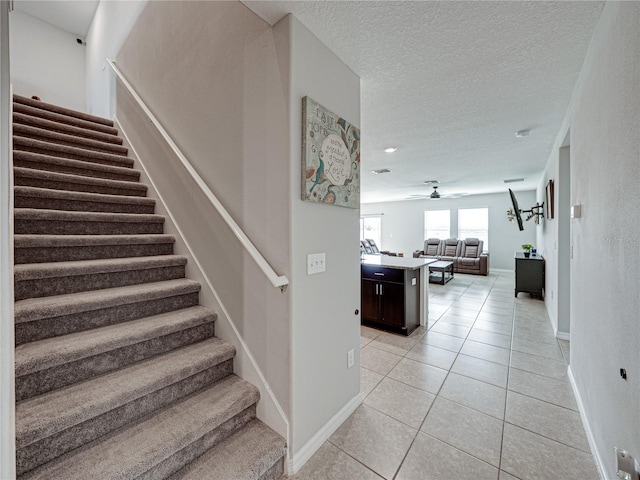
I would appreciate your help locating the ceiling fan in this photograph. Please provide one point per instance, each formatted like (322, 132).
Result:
(435, 195)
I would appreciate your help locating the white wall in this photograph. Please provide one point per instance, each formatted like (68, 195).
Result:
(111, 25)
(403, 224)
(210, 73)
(604, 117)
(7, 345)
(46, 61)
(324, 325)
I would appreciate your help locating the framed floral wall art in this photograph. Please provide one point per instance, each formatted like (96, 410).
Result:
(330, 157)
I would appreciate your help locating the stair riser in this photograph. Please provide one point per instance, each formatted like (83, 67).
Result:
(182, 458)
(64, 119)
(28, 386)
(114, 162)
(44, 227)
(275, 472)
(38, 453)
(132, 176)
(77, 322)
(65, 254)
(77, 142)
(21, 119)
(25, 181)
(46, 287)
(80, 205)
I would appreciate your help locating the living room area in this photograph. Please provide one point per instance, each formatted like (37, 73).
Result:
(402, 227)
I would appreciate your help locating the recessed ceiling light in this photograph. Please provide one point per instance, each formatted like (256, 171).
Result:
(523, 133)
(390, 149)
(382, 170)
(513, 180)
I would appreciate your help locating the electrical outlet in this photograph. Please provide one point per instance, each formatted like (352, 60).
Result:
(350, 358)
(316, 263)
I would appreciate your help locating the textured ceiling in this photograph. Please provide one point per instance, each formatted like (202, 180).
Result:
(449, 83)
(72, 16)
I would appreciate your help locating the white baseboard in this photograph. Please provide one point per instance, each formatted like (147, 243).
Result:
(587, 428)
(501, 270)
(563, 336)
(304, 454)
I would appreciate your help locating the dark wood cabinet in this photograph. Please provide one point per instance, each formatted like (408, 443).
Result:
(389, 298)
(529, 274)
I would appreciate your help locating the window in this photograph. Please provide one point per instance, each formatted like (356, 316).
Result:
(437, 224)
(371, 227)
(474, 223)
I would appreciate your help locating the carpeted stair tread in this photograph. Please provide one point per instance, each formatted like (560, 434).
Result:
(68, 222)
(31, 271)
(133, 451)
(53, 412)
(114, 203)
(62, 248)
(40, 161)
(59, 278)
(71, 216)
(33, 309)
(75, 153)
(18, 99)
(45, 135)
(22, 119)
(64, 181)
(64, 119)
(44, 354)
(34, 241)
(247, 454)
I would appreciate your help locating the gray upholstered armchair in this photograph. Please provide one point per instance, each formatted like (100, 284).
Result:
(432, 248)
(471, 259)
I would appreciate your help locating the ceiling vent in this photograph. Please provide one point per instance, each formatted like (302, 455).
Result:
(382, 170)
(513, 180)
(431, 182)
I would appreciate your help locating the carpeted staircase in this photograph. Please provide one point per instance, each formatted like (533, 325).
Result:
(118, 371)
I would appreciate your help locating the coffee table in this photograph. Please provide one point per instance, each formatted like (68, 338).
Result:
(440, 272)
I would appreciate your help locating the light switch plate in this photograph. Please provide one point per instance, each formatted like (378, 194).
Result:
(316, 263)
(350, 358)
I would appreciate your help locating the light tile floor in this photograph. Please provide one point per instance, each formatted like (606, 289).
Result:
(483, 393)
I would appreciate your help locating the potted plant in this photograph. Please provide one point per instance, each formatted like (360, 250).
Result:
(527, 249)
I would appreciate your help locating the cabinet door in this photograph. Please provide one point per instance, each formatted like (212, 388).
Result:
(392, 299)
(529, 275)
(370, 300)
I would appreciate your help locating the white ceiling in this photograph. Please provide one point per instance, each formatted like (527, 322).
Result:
(446, 82)
(449, 83)
(72, 16)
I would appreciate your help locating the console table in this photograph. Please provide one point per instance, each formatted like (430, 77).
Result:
(394, 293)
(529, 274)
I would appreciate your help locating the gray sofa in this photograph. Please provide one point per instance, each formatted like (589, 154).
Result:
(466, 255)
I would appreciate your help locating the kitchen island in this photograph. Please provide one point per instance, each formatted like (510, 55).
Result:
(394, 292)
